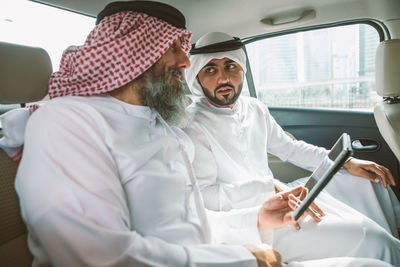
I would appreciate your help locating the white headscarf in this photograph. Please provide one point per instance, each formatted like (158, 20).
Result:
(198, 61)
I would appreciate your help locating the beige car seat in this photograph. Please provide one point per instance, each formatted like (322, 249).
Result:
(24, 74)
(387, 112)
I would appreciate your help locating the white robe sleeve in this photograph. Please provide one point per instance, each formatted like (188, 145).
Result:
(235, 225)
(222, 196)
(74, 205)
(299, 153)
(238, 227)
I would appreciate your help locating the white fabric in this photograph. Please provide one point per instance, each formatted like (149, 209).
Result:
(105, 183)
(372, 200)
(339, 262)
(342, 232)
(233, 144)
(198, 61)
(13, 125)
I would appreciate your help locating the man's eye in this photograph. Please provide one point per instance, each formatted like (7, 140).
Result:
(231, 66)
(174, 47)
(209, 70)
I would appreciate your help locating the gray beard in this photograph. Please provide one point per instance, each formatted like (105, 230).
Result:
(167, 99)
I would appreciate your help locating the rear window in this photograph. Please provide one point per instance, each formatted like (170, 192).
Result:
(325, 68)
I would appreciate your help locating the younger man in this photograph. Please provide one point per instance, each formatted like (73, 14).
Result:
(232, 135)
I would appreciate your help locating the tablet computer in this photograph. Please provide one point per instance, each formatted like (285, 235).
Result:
(337, 156)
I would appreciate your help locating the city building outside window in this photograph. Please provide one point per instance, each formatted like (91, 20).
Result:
(324, 68)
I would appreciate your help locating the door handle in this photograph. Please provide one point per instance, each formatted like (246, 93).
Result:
(365, 145)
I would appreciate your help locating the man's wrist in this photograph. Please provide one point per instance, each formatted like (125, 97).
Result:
(277, 188)
(347, 162)
(266, 256)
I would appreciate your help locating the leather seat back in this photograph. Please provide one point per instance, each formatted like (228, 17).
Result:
(24, 74)
(13, 235)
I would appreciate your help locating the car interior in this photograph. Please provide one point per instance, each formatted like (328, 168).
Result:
(375, 129)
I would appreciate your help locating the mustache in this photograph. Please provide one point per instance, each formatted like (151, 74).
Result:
(175, 70)
(224, 85)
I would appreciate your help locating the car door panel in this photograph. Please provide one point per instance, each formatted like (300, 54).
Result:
(322, 127)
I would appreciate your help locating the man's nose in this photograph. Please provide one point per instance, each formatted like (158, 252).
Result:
(182, 60)
(223, 77)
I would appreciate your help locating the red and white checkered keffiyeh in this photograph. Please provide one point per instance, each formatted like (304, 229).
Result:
(119, 49)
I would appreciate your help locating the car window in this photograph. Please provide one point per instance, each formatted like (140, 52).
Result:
(324, 68)
(52, 29)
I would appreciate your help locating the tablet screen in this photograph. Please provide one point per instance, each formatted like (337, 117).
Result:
(337, 156)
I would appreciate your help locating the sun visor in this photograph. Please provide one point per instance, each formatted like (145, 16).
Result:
(229, 45)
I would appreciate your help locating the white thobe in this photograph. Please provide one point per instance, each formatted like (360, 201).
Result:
(106, 183)
(233, 173)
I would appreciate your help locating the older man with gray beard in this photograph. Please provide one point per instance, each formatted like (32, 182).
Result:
(106, 178)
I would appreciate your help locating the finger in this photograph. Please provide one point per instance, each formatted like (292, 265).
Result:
(369, 175)
(293, 199)
(381, 175)
(294, 203)
(374, 168)
(317, 209)
(297, 226)
(295, 191)
(314, 215)
(391, 178)
(300, 197)
(303, 194)
(389, 175)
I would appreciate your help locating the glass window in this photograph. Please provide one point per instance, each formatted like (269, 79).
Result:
(325, 68)
(33, 24)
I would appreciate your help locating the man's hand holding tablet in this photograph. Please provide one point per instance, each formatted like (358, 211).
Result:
(313, 210)
(338, 155)
(290, 206)
(277, 211)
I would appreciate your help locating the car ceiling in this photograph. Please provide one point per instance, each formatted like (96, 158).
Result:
(242, 18)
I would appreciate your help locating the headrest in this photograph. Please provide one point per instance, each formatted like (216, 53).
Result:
(387, 68)
(24, 73)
